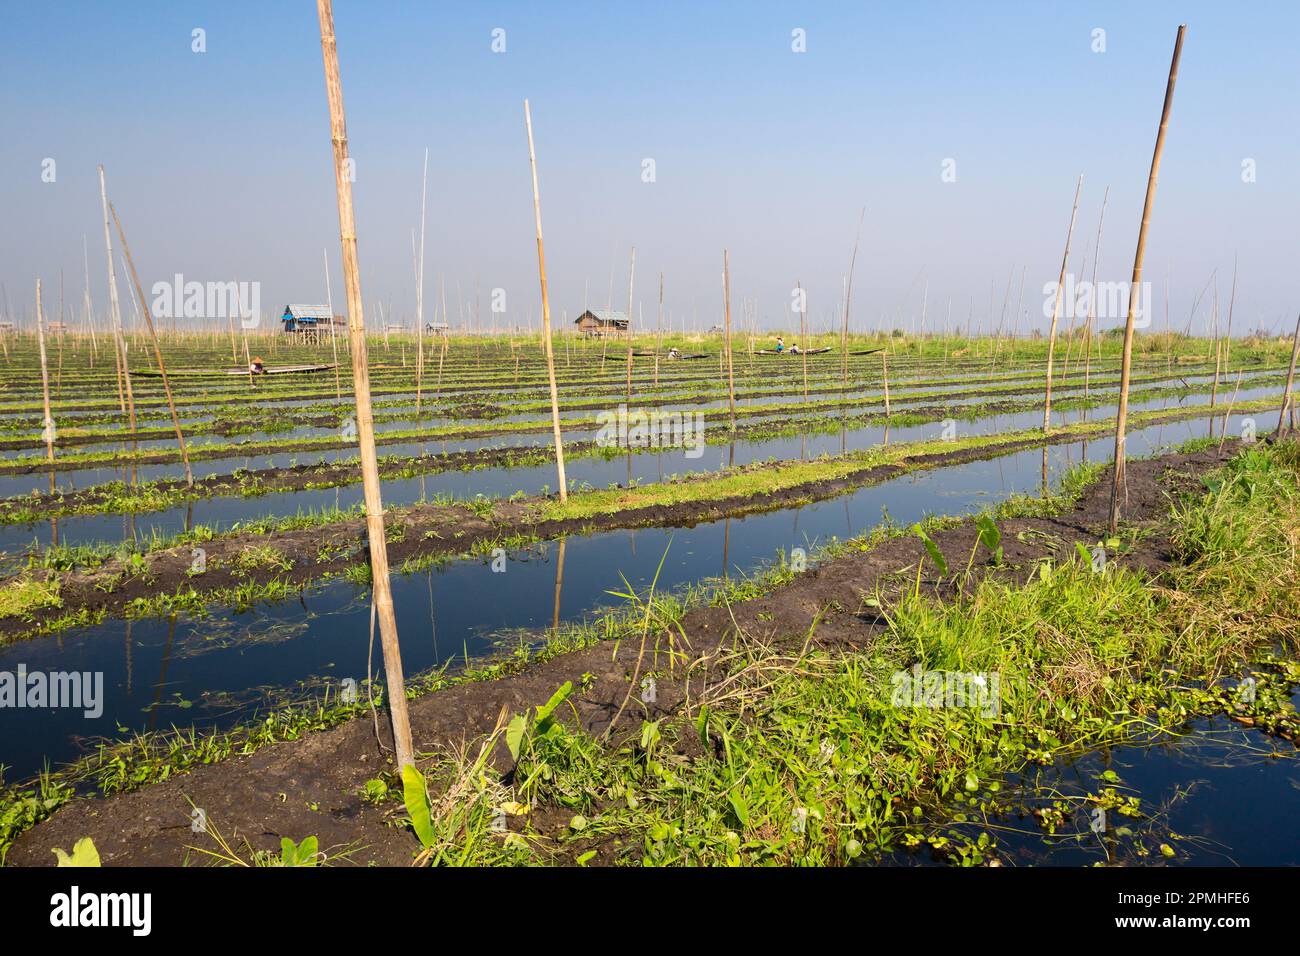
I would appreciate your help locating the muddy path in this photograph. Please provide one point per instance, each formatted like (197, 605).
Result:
(313, 785)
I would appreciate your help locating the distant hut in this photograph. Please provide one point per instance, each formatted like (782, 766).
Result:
(601, 323)
(437, 328)
(310, 322)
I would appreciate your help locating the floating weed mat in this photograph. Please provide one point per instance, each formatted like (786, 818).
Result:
(804, 757)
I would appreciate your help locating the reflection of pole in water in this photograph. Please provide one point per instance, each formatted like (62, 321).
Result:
(433, 622)
(1044, 471)
(559, 584)
(726, 546)
(128, 657)
(731, 453)
(162, 674)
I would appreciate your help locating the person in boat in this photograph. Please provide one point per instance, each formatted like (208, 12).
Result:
(794, 348)
(673, 353)
(780, 345)
(257, 366)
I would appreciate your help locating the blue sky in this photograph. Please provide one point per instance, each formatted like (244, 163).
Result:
(220, 162)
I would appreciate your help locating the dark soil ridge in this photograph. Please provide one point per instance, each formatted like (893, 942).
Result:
(160, 456)
(261, 481)
(433, 531)
(268, 794)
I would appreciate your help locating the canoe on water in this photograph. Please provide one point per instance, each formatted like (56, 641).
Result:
(788, 352)
(868, 351)
(283, 370)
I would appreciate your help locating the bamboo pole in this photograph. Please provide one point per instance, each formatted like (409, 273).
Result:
(546, 315)
(157, 352)
(659, 329)
(1092, 299)
(1056, 310)
(631, 274)
(48, 428)
(1288, 400)
(1232, 301)
(126, 397)
(803, 335)
(419, 294)
(726, 312)
(1126, 363)
(383, 595)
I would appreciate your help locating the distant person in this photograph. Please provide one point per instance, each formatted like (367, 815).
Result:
(673, 353)
(780, 344)
(257, 366)
(794, 348)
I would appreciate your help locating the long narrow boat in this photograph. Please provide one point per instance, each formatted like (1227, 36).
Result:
(281, 370)
(788, 352)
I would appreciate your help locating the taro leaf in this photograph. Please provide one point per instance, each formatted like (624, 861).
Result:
(302, 854)
(515, 734)
(83, 854)
(739, 807)
(990, 537)
(546, 710)
(1084, 554)
(932, 549)
(417, 804)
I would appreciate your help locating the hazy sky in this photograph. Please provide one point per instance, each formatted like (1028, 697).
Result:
(221, 168)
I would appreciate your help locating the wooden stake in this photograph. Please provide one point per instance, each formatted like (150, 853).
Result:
(157, 352)
(1126, 363)
(126, 397)
(726, 312)
(546, 315)
(383, 595)
(45, 383)
(1288, 401)
(1056, 310)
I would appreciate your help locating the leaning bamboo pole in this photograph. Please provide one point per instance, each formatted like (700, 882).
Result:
(1056, 310)
(126, 397)
(1092, 303)
(1288, 401)
(383, 595)
(546, 315)
(334, 347)
(1126, 363)
(157, 352)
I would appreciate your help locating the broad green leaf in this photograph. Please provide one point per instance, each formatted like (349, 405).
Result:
(515, 734)
(417, 804)
(83, 854)
(302, 854)
(739, 807)
(932, 549)
(546, 710)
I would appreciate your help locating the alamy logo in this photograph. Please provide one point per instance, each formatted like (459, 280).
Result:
(179, 299)
(74, 908)
(651, 429)
(935, 689)
(40, 689)
(1101, 300)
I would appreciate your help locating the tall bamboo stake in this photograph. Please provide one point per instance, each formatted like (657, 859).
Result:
(157, 352)
(1232, 301)
(1121, 421)
(419, 293)
(1287, 400)
(383, 595)
(546, 314)
(126, 396)
(803, 336)
(45, 384)
(631, 273)
(1056, 310)
(726, 312)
